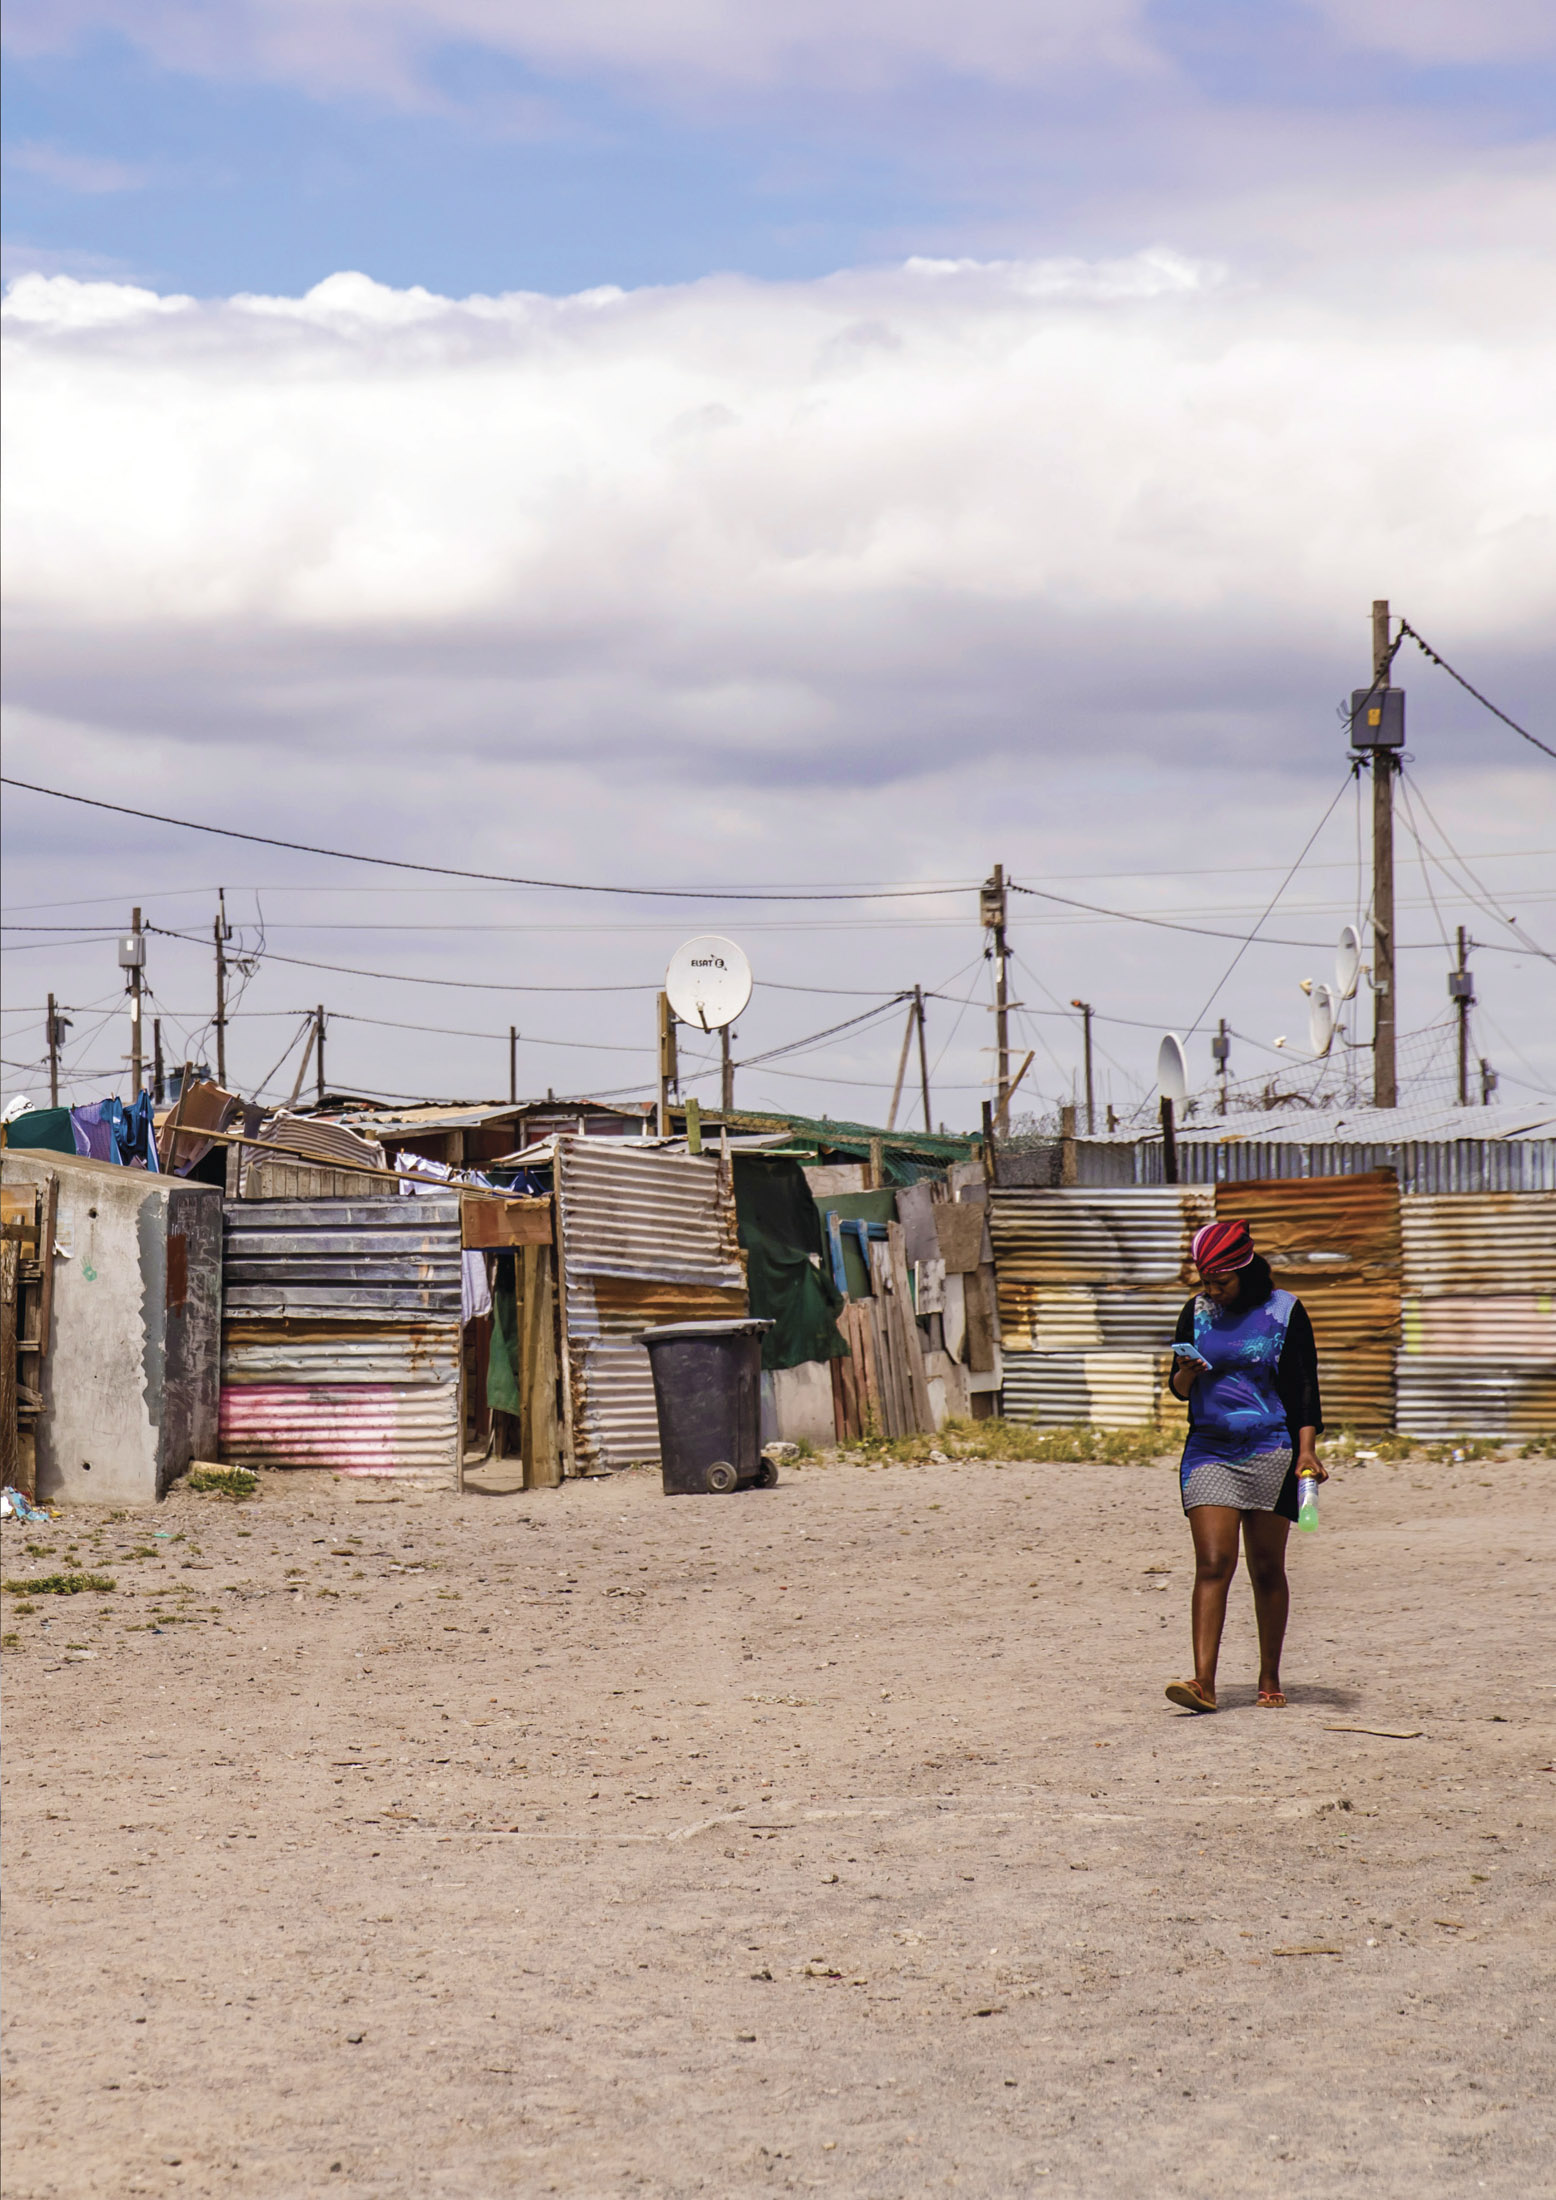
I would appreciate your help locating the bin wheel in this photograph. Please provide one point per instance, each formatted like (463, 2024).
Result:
(721, 1477)
(766, 1475)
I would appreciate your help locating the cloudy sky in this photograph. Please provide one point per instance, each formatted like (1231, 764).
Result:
(773, 449)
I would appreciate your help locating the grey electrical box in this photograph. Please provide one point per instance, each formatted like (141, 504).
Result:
(1461, 986)
(1378, 718)
(132, 951)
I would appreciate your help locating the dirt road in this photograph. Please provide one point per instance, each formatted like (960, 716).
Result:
(834, 1839)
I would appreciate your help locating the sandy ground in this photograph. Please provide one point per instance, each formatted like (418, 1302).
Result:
(835, 1838)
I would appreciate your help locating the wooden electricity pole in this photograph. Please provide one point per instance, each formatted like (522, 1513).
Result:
(1385, 1079)
(513, 1066)
(58, 1025)
(223, 933)
(668, 1067)
(158, 1072)
(726, 1073)
(923, 1056)
(992, 911)
(132, 954)
(318, 1057)
(1091, 1104)
(1461, 991)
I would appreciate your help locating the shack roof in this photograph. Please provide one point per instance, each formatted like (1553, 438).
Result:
(1359, 1125)
(808, 1131)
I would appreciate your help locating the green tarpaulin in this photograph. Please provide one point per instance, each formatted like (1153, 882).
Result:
(502, 1365)
(48, 1128)
(780, 1230)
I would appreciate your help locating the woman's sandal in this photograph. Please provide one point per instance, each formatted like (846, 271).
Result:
(1190, 1696)
(1272, 1699)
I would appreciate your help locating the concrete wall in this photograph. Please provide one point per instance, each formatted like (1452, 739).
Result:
(131, 1379)
(802, 1397)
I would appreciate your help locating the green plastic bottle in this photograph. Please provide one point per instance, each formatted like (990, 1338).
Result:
(1307, 1502)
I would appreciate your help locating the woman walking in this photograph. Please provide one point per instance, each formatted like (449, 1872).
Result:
(1247, 1366)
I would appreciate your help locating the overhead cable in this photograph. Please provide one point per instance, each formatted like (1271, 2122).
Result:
(493, 878)
(1484, 701)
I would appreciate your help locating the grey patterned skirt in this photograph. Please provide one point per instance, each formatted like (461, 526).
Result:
(1252, 1485)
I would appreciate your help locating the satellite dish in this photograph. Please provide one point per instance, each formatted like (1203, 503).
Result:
(1172, 1071)
(1320, 1019)
(1347, 962)
(709, 982)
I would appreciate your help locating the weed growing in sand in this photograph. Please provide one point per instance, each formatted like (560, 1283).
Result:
(63, 1585)
(1014, 1440)
(234, 1482)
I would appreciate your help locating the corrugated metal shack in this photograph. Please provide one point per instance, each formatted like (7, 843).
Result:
(1478, 1350)
(341, 1335)
(644, 1237)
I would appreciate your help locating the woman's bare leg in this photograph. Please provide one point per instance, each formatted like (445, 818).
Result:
(1214, 1528)
(1264, 1541)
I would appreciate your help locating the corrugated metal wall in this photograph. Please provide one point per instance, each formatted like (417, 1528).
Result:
(341, 1336)
(646, 1238)
(1090, 1284)
(1478, 1345)
(1335, 1243)
(1424, 1166)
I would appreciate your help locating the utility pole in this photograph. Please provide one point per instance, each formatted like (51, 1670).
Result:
(158, 1075)
(923, 1058)
(902, 1067)
(58, 1025)
(1461, 991)
(1221, 1054)
(1385, 1081)
(726, 1073)
(223, 933)
(318, 1057)
(513, 1066)
(1091, 1104)
(132, 960)
(1488, 1082)
(991, 908)
(669, 1073)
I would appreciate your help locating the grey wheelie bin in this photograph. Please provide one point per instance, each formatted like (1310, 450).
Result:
(708, 1394)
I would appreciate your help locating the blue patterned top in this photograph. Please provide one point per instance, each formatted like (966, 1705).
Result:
(1237, 1412)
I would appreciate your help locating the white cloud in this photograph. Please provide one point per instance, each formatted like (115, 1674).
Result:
(888, 572)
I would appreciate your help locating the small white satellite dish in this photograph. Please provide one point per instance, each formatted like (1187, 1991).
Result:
(709, 982)
(1320, 1019)
(1172, 1070)
(1347, 962)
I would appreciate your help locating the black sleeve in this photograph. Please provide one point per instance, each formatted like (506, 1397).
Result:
(1297, 1375)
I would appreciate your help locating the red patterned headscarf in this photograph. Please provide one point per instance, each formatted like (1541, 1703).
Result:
(1221, 1247)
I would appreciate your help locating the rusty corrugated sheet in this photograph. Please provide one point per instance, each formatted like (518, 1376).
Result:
(357, 1398)
(1335, 1242)
(1501, 1243)
(646, 1238)
(1480, 1327)
(341, 1336)
(1478, 1350)
(1090, 1285)
(347, 1260)
(1509, 1399)
(1109, 1390)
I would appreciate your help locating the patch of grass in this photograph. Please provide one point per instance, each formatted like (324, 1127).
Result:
(63, 1585)
(25, 1607)
(234, 1482)
(1471, 1447)
(996, 1440)
(10, 1641)
(1542, 1447)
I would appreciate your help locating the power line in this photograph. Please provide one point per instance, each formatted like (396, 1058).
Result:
(1481, 894)
(491, 878)
(1484, 701)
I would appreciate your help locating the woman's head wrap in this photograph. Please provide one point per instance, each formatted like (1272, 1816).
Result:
(1221, 1247)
